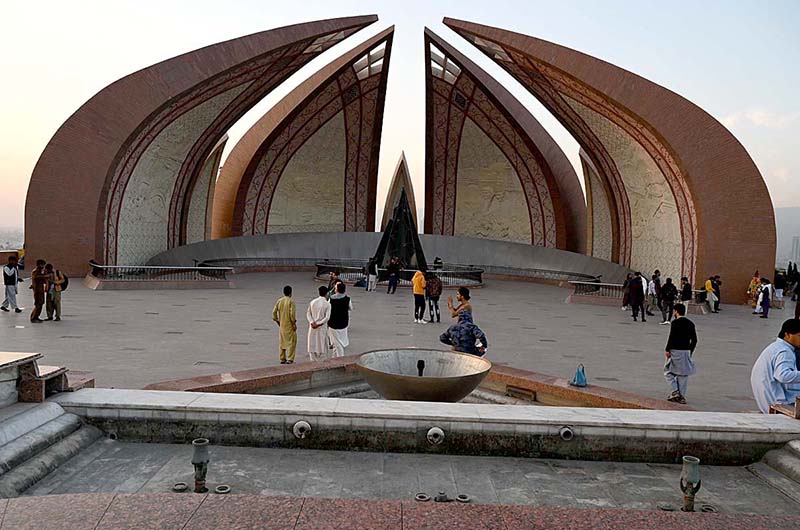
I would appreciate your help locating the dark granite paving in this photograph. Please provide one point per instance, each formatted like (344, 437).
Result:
(168, 511)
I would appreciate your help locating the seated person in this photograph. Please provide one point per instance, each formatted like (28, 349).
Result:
(775, 377)
(465, 335)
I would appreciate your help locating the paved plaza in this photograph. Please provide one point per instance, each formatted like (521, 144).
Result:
(129, 339)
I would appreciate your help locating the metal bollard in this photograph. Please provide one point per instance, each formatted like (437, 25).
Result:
(690, 481)
(200, 461)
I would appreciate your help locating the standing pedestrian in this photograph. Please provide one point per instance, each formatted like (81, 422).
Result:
(669, 293)
(285, 315)
(775, 378)
(418, 285)
(393, 270)
(779, 285)
(372, 274)
(658, 283)
(652, 296)
(626, 291)
(333, 279)
(680, 348)
(11, 278)
(56, 283)
(686, 291)
(766, 297)
(318, 313)
(636, 296)
(433, 290)
(711, 297)
(39, 283)
(754, 290)
(716, 284)
(339, 320)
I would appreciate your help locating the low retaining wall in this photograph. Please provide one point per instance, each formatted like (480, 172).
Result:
(402, 426)
(495, 257)
(283, 379)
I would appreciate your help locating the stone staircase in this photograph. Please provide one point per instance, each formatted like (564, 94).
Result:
(35, 439)
(781, 469)
(35, 436)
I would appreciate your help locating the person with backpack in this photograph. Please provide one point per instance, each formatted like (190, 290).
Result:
(56, 285)
(433, 290)
(669, 293)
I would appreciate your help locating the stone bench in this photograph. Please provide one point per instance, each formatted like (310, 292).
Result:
(22, 378)
(40, 381)
(10, 365)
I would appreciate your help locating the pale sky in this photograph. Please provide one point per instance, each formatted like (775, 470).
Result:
(738, 60)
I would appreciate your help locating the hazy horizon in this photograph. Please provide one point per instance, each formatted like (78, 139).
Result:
(737, 61)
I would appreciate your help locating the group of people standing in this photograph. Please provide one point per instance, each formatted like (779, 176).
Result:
(47, 284)
(763, 294)
(328, 318)
(643, 296)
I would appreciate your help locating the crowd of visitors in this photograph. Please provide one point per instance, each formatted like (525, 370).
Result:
(764, 294)
(642, 296)
(47, 284)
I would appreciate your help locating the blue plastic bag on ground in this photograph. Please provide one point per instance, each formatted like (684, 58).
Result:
(579, 379)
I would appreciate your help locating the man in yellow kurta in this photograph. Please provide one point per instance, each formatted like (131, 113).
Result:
(284, 314)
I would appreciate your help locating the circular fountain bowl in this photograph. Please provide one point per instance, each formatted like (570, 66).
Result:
(446, 376)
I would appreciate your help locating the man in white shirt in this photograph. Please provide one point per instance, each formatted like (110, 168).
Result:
(319, 311)
(10, 280)
(775, 377)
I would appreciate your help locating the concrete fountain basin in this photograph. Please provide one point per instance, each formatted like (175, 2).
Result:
(416, 374)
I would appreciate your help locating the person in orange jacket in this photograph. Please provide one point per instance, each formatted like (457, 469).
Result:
(418, 281)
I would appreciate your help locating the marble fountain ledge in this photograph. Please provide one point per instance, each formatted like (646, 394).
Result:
(103, 402)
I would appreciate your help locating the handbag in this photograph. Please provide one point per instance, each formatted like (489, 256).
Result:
(579, 379)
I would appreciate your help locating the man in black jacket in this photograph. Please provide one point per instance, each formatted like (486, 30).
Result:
(636, 296)
(680, 347)
(669, 293)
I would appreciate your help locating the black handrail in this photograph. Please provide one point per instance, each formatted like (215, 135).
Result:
(451, 275)
(147, 273)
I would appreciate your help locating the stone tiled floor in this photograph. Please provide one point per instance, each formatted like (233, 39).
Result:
(133, 338)
(117, 467)
(167, 511)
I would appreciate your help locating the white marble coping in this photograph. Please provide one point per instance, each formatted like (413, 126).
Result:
(9, 359)
(270, 405)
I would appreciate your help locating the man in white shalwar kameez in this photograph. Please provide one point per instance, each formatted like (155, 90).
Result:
(339, 320)
(319, 311)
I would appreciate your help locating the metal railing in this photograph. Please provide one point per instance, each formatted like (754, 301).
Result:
(145, 273)
(351, 271)
(542, 274)
(606, 290)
